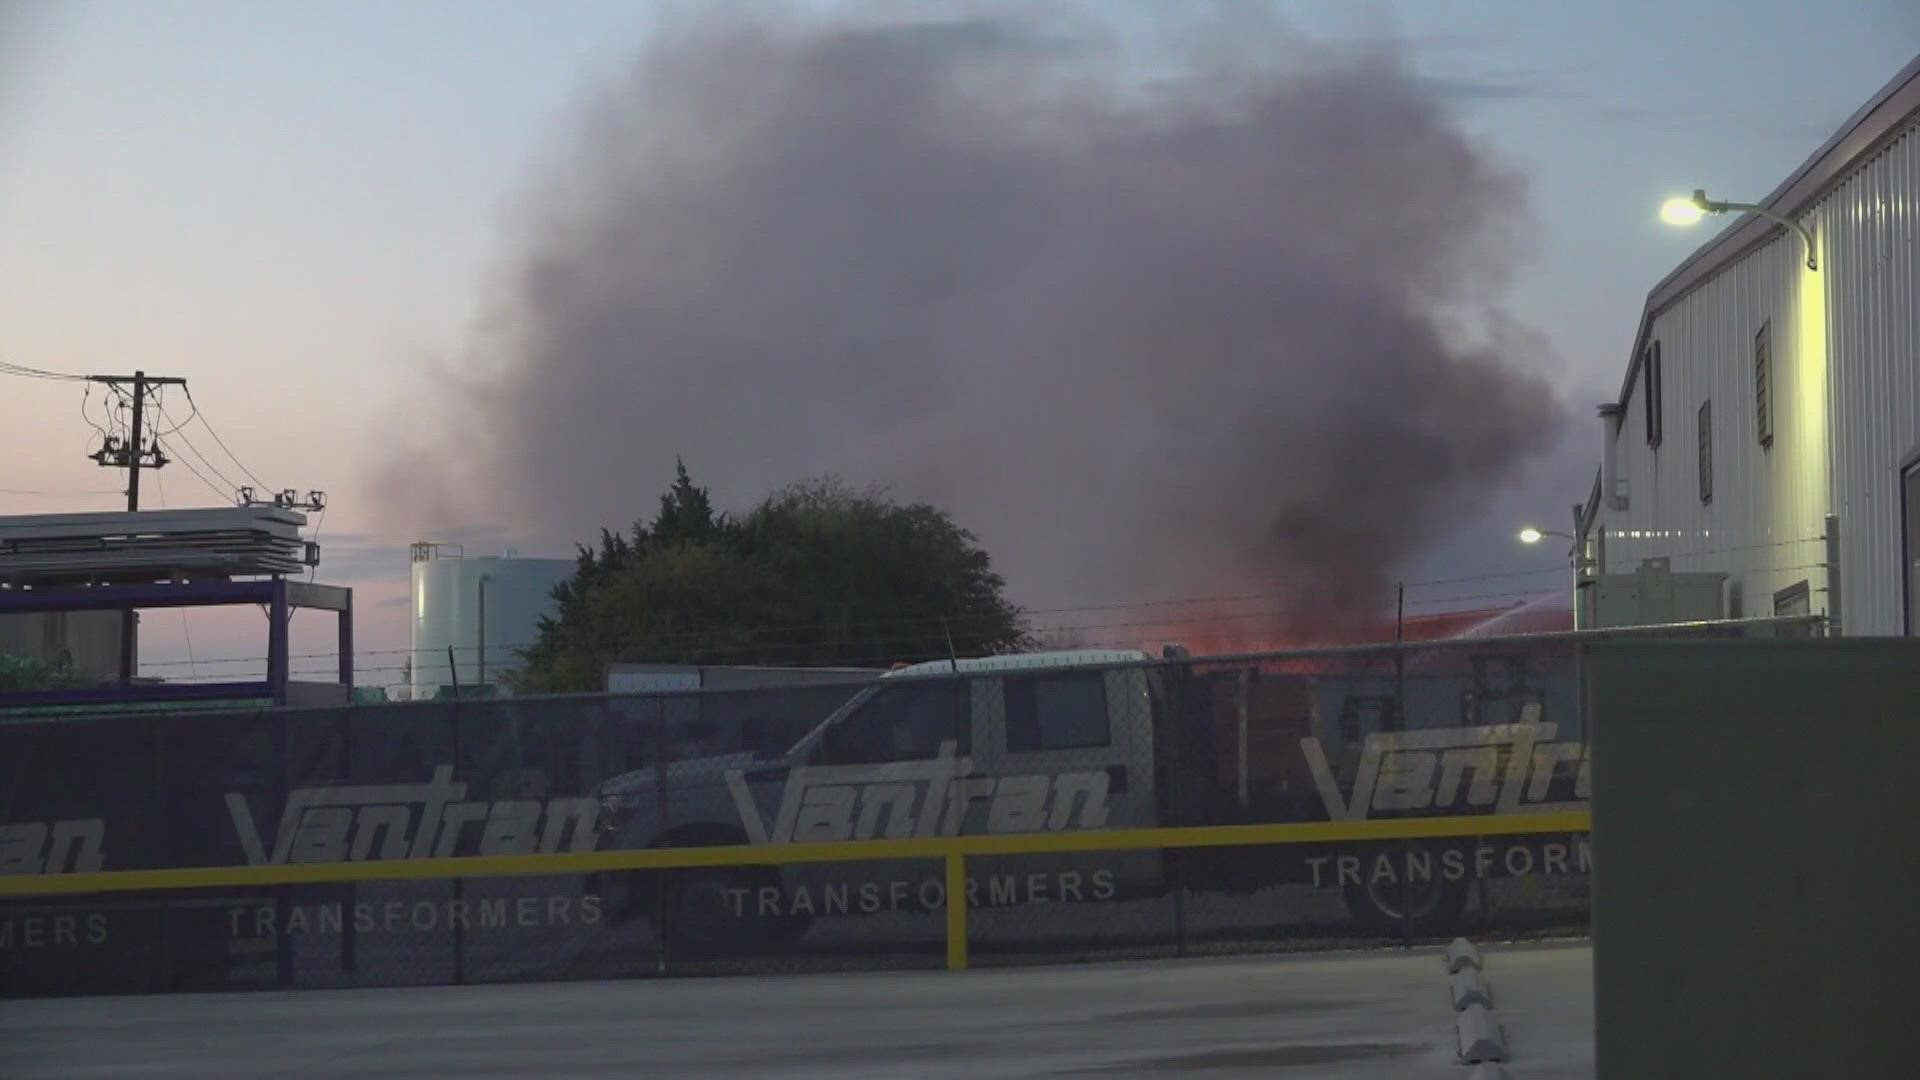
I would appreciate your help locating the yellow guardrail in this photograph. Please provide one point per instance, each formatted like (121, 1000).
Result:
(953, 850)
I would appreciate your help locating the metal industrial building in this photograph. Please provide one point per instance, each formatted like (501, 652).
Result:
(1768, 427)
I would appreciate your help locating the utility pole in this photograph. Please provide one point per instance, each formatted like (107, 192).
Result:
(131, 456)
(1400, 658)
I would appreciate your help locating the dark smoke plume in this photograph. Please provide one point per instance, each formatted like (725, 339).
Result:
(1212, 311)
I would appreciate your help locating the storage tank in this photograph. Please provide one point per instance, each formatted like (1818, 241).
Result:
(458, 598)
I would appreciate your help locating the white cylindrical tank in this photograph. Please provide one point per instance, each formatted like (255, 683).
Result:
(456, 598)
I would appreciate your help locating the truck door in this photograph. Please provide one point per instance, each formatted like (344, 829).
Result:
(879, 763)
(1086, 738)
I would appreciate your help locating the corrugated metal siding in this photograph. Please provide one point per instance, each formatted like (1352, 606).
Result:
(1846, 408)
(1873, 316)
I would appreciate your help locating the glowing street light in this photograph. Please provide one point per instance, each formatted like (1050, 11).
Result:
(1581, 563)
(1689, 211)
(1681, 212)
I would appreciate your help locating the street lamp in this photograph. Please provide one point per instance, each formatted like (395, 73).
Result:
(1531, 535)
(1689, 211)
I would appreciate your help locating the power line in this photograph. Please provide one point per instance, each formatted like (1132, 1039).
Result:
(159, 402)
(211, 486)
(9, 368)
(61, 494)
(231, 487)
(86, 398)
(222, 442)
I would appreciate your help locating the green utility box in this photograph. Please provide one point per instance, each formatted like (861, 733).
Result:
(1756, 880)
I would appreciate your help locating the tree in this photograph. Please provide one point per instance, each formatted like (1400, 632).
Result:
(19, 674)
(815, 575)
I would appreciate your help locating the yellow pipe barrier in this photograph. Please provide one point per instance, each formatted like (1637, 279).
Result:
(954, 850)
(588, 862)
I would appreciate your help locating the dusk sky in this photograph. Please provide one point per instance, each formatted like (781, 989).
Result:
(302, 207)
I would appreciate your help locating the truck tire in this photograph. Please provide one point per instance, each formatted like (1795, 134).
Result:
(1428, 908)
(702, 921)
(625, 895)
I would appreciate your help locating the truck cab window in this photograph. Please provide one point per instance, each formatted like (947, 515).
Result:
(1066, 711)
(1364, 714)
(900, 723)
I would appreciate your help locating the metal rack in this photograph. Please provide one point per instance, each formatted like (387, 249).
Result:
(215, 557)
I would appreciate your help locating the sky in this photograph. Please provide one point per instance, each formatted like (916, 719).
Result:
(302, 207)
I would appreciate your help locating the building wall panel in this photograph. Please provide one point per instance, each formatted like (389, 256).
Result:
(1845, 351)
(1874, 340)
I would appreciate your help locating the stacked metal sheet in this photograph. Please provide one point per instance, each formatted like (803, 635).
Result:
(154, 545)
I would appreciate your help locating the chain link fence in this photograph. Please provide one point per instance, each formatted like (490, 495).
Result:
(1008, 746)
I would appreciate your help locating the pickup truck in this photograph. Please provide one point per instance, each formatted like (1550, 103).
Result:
(1096, 739)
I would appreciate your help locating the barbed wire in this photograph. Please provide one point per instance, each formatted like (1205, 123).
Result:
(1480, 596)
(363, 675)
(900, 626)
(431, 657)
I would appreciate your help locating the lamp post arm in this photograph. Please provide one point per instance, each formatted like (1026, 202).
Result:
(1806, 236)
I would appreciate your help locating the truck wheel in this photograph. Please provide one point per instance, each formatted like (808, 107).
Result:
(1388, 908)
(702, 920)
(625, 895)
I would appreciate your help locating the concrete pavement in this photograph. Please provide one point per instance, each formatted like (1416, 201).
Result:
(1346, 1016)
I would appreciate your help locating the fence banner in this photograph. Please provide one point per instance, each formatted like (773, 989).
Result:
(1033, 746)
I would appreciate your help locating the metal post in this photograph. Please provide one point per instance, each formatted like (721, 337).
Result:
(1406, 894)
(277, 659)
(346, 645)
(662, 758)
(663, 810)
(1176, 699)
(1399, 718)
(1246, 689)
(169, 963)
(482, 680)
(1833, 575)
(956, 864)
(349, 936)
(282, 941)
(1399, 724)
(956, 911)
(453, 739)
(1178, 874)
(459, 884)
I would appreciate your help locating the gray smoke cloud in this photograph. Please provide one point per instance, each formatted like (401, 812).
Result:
(1197, 309)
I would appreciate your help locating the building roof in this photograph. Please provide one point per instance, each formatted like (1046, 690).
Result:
(1863, 134)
